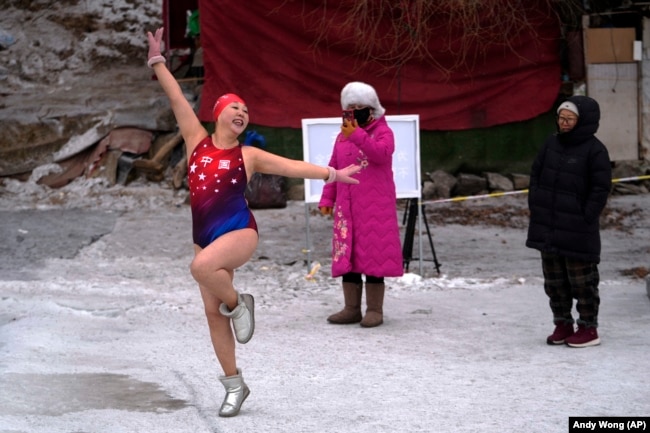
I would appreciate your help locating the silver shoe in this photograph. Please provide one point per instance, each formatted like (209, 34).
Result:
(243, 317)
(236, 393)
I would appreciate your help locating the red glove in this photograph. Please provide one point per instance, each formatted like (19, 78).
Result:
(154, 56)
(348, 127)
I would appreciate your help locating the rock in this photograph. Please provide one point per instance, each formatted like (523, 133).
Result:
(628, 188)
(75, 118)
(498, 182)
(470, 184)
(71, 72)
(520, 181)
(6, 39)
(428, 190)
(443, 183)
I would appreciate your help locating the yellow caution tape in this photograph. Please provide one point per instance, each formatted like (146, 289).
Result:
(521, 191)
(628, 179)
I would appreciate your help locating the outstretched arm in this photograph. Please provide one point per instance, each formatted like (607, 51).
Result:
(188, 122)
(258, 160)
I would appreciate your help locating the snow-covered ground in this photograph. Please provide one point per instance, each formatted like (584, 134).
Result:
(102, 328)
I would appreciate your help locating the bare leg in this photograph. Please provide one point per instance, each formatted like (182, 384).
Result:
(221, 335)
(213, 268)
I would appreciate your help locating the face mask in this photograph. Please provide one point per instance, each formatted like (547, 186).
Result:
(362, 115)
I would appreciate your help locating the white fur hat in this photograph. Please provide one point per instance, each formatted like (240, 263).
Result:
(360, 93)
(568, 105)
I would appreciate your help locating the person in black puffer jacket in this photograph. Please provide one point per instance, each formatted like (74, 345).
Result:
(570, 182)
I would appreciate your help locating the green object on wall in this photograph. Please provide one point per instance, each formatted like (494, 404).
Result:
(193, 29)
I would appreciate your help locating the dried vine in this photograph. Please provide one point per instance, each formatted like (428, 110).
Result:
(467, 28)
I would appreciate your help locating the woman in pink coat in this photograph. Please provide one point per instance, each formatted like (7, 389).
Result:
(366, 234)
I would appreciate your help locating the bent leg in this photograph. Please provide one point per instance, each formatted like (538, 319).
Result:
(213, 266)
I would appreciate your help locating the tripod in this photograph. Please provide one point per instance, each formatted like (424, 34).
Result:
(410, 217)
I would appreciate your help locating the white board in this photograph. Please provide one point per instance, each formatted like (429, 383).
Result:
(318, 136)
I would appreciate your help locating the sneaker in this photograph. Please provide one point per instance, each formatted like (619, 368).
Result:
(243, 317)
(585, 337)
(560, 334)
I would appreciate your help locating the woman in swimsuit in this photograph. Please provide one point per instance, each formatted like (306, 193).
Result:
(224, 229)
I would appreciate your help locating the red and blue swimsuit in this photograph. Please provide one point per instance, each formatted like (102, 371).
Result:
(217, 182)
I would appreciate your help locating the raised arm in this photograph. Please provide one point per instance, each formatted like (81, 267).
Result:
(188, 123)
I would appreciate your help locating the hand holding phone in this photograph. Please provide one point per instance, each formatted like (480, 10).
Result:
(348, 115)
(348, 127)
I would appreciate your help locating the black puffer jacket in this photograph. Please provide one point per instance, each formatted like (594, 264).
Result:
(569, 184)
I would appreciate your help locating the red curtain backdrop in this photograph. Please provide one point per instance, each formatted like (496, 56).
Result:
(266, 54)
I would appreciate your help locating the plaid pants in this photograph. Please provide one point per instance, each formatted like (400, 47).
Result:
(566, 279)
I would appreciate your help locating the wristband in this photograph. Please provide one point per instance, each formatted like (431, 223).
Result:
(155, 59)
(332, 176)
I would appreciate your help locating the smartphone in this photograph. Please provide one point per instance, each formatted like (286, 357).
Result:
(348, 115)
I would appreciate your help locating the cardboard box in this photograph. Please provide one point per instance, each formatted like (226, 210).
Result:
(609, 45)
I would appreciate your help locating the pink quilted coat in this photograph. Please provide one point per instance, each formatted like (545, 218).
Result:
(366, 234)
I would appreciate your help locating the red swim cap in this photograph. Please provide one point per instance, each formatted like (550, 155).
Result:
(223, 101)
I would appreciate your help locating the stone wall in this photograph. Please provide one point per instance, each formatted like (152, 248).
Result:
(442, 185)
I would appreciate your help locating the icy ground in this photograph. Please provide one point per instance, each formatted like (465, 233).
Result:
(102, 328)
